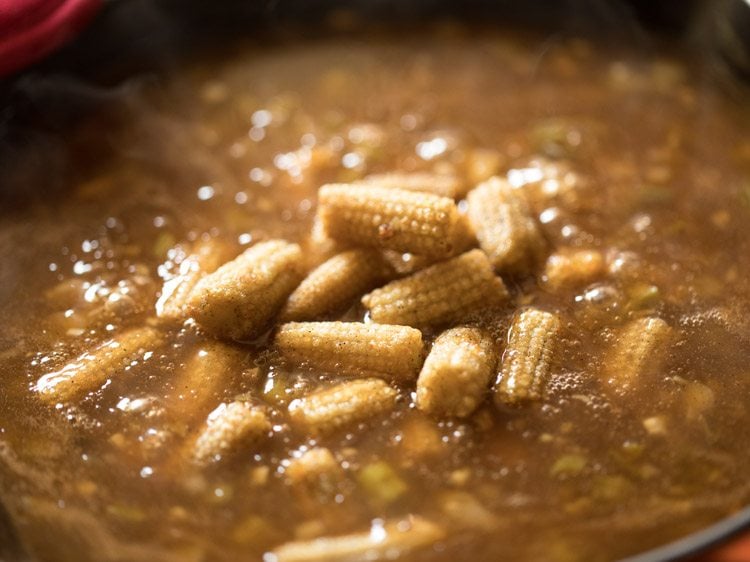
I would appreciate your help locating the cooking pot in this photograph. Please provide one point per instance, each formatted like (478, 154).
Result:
(135, 40)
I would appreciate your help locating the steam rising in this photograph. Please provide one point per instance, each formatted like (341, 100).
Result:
(99, 72)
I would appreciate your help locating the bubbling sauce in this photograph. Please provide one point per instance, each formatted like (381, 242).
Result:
(638, 177)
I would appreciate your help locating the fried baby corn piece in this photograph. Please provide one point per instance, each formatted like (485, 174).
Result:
(569, 268)
(386, 542)
(199, 384)
(92, 369)
(440, 294)
(457, 373)
(353, 348)
(342, 406)
(504, 226)
(437, 184)
(228, 429)
(527, 361)
(318, 246)
(393, 219)
(639, 350)
(334, 284)
(239, 300)
(206, 258)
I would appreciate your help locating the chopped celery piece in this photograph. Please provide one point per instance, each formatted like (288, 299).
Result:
(698, 400)
(275, 389)
(611, 488)
(255, 531)
(655, 425)
(647, 471)
(126, 512)
(556, 138)
(381, 483)
(654, 195)
(568, 465)
(643, 295)
(164, 241)
(632, 449)
(579, 506)
(744, 193)
(220, 494)
(466, 511)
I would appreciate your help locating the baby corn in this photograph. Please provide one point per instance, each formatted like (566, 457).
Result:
(353, 348)
(319, 247)
(440, 294)
(199, 385)
(437, 184)
(457, 373)
(174, 295)
(334, 284)
(527, 360)
(640, 349)
(389, 542)
(92, 369)
(343, 405)
(504, 226)
(239, 300)
(228, 429)
(395, 219)
(573, 267)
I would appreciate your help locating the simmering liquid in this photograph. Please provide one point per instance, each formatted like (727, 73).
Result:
(635, 159)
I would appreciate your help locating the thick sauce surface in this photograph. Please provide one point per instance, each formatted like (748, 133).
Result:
(635, 157)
